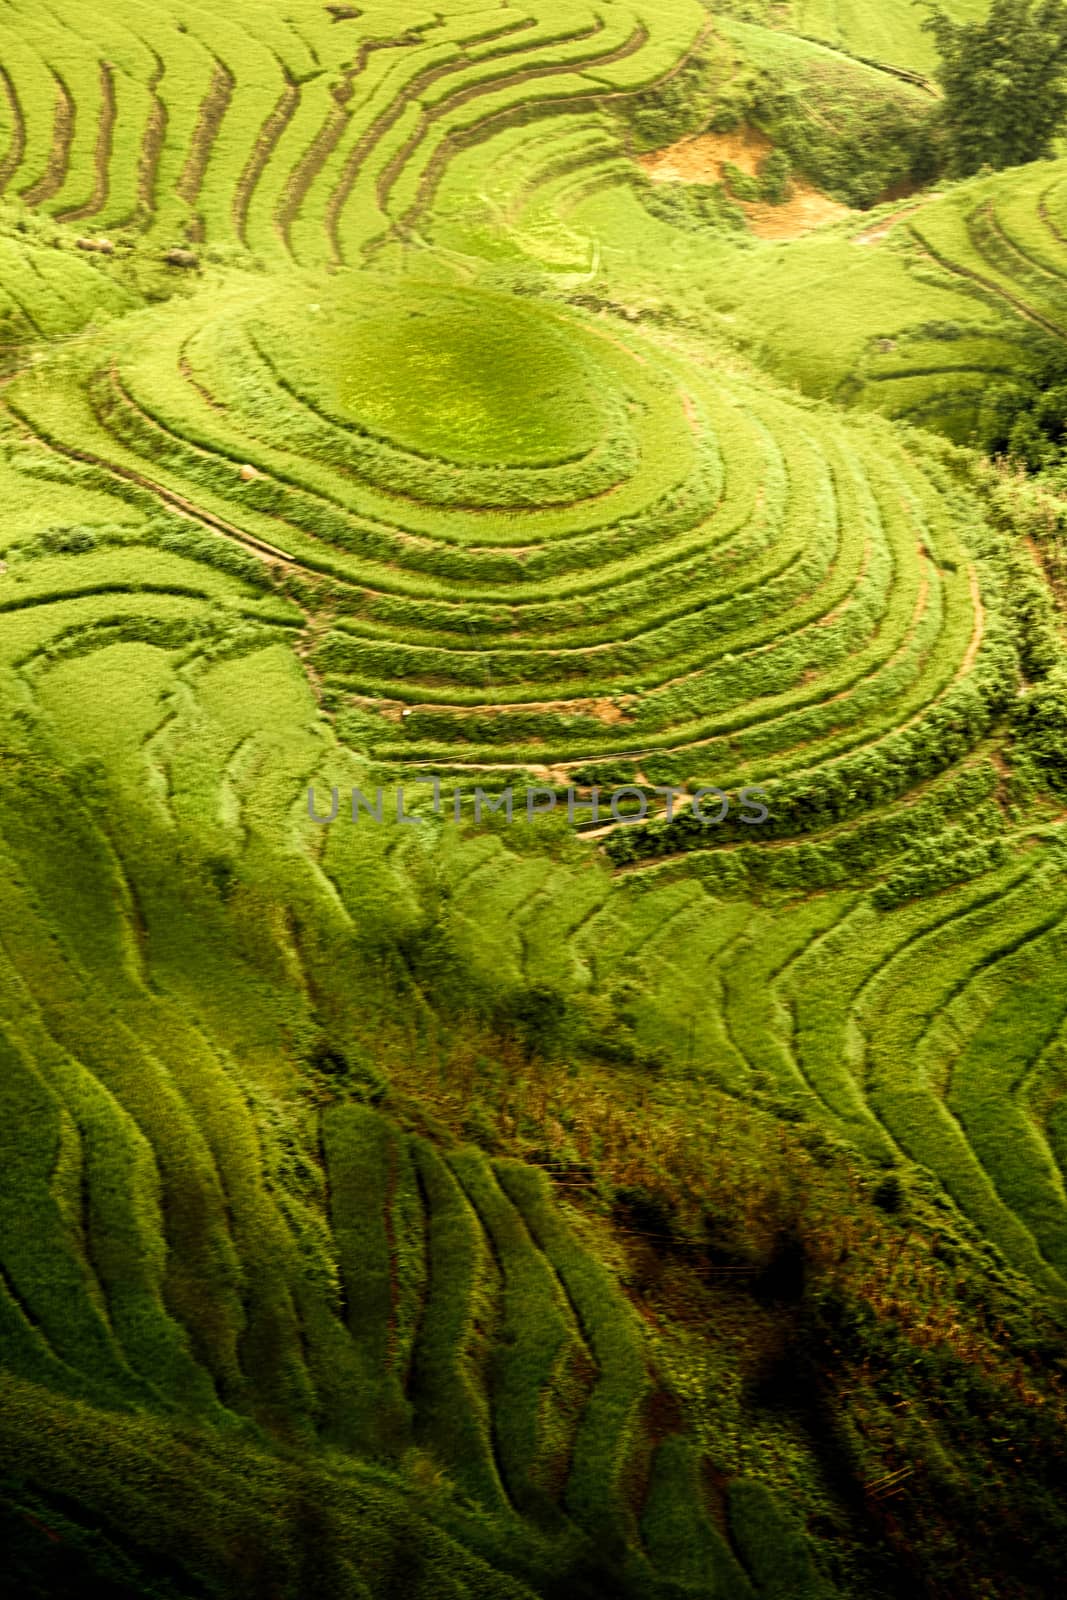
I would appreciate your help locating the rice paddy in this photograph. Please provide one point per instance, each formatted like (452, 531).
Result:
(370, 1206)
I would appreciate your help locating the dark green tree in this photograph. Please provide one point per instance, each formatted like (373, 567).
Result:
(1004, 82)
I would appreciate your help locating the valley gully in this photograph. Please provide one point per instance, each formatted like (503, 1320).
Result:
(708, 805)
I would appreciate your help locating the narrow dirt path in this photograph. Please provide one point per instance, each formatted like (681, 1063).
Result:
(979, 625)
(102, 154)
(51, 180)
(13, 159)
(266, 140)
(213, 108)
(308, 168)
(957, 270)
(151, 145)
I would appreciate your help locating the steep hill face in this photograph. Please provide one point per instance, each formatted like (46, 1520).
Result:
(586, 1198)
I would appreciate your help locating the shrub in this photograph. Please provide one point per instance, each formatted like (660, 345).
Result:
(672, 109)
(1040, 723)
(740, 184)
(774, 174)
(845, 132)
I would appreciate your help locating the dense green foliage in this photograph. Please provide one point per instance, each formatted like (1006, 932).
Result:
(851, 131)
(1004, 81)
(532, 1211)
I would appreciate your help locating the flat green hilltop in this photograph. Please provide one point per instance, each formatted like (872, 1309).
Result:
(595, 1205)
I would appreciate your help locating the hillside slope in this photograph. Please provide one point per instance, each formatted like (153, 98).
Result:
(450, 1203)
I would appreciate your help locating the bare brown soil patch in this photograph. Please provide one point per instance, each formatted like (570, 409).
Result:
(610, 712)
(805, 211)
(880, 229)
(700, 159)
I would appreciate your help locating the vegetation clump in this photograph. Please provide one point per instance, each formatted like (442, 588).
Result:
(652, 1206)
(1004, 82)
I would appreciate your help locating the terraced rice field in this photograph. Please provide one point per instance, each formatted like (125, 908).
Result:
(671, 570)
(359, 426)
(307, 139)
(913, 312)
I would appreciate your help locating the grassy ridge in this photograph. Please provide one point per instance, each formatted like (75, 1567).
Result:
(464, 1209)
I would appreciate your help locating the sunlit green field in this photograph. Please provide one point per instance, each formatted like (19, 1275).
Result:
(568, 1208)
